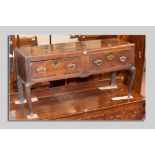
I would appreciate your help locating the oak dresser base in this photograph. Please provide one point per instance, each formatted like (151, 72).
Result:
(71, 60)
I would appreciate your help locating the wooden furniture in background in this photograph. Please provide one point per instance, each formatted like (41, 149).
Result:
(26, 41)
(71, 60)
(92, 37)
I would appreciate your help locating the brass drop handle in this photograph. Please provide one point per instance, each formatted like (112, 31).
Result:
(123, 58)
(71, 66)
(110, 57)
(41, 69)
(56, 63)
(98, 62)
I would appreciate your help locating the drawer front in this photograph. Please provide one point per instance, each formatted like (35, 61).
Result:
(133, 114)
(56, 67)
(117, 58)
(96, 62)
(109, 60)
(124, 114)
(98, 117)
(72, 117)
(72, 65)
(116, 115)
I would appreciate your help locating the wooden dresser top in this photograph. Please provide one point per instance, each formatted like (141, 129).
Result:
(72, 47)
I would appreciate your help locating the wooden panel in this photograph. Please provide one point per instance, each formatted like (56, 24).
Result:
(72, 65)
(56, 67)
(111, 60)
(96, 62)
(47, 68)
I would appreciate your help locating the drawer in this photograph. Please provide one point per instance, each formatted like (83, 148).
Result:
(96, 62)
(56, 67)
(118, 58)
(109, 60)
(72, 117)
(133, 114)
(122, 113)
(72, 65)
(126, 114)
(116, 115)
(99, 117)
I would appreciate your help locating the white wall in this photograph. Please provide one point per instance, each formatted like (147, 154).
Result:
(56, 38)
(62, 39)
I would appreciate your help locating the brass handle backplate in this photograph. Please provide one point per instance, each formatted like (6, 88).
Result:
(98, 62)
(110, 57)
(41, 69)
(56, 63)
(71, 66)
(123, 58)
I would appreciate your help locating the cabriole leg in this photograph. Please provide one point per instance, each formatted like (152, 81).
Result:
(133, 74)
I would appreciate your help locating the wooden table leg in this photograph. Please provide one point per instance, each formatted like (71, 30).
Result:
(13, 76)
(133, 74)
(20, 89)
(28, 97)
(113, 77)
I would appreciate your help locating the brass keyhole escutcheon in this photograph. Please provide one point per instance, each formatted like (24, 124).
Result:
(110, 57)
(56, 63)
